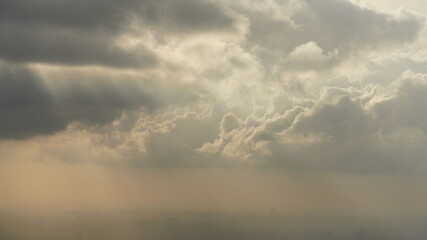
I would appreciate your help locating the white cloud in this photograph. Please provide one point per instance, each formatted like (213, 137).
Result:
(310, 55)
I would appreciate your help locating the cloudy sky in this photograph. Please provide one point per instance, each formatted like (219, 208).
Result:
(213, 104)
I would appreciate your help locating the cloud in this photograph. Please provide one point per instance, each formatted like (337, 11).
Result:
(25, 106)
(187, 16)
(333, 25)
(344, 120)
(71, 48)
(35, 103)
(310, 56)
(348, 129)
(343, 24)
(91, 33)
(320, 85)
(404, 108)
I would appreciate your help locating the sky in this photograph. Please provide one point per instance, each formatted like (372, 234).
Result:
(309, 106)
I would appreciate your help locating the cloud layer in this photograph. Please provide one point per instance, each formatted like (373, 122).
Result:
(326, 85)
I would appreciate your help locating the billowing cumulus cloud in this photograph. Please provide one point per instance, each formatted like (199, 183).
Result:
(320, 85)
(331, 24)
(309, 55)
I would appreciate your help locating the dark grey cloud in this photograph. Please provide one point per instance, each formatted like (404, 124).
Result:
(86, 32)
(108, 15)
(31, 106)
(345, 120)
(187, 16)
(114, 15)
(340, 136)
(67, 32)
(70, 48)
(25, 107)
(82, 33)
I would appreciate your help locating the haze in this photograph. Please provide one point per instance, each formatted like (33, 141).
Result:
(256, 115)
